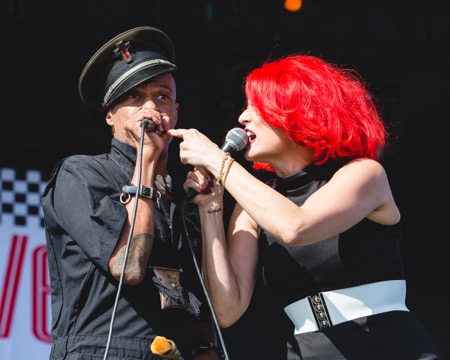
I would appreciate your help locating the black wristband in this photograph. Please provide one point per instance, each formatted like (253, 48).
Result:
(129, 190)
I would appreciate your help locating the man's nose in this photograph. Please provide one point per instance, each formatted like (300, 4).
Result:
(150, 104)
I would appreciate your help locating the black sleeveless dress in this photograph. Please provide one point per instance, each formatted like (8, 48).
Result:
(366, 253)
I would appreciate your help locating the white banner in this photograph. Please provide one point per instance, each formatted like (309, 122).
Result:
(25, 317)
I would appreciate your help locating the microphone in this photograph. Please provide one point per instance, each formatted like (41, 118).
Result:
(165, 348)
(150, 126)
(235, 140)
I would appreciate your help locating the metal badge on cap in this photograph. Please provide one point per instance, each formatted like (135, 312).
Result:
(122, 49)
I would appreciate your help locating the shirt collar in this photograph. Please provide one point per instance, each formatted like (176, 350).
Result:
(124, 155)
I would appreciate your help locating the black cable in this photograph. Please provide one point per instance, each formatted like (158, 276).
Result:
(145, 124)
(133, 219)
(208, 299)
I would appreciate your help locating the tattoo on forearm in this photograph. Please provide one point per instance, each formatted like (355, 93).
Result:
(138, 255)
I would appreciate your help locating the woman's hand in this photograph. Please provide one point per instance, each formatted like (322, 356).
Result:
(205, 184)
(197, 149)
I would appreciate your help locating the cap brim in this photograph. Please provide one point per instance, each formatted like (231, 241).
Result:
(91, 85)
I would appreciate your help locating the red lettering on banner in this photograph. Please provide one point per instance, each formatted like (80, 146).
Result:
(41, 294)
(11, 283)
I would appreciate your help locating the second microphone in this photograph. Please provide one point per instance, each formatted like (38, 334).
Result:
(235, 140)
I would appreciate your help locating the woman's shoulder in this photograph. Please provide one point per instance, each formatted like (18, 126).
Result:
(366, 167)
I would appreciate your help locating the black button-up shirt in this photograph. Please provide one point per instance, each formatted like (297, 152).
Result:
(84, 219)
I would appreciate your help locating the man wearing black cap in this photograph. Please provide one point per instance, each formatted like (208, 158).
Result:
(113, 211)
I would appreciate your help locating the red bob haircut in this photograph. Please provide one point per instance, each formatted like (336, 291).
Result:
(319, 106)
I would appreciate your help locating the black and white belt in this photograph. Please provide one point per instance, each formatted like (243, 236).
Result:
(330, 308)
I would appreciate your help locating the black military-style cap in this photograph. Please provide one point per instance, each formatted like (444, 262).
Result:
(125, 61)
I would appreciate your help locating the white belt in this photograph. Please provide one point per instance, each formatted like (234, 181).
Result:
(330, 308)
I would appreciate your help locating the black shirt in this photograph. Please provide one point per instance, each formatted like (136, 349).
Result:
(84, 219)
(349, 259)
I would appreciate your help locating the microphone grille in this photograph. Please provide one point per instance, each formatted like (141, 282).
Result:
(238, 137)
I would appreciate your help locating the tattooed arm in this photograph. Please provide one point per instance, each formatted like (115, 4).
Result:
(141, 243)
(138, 255)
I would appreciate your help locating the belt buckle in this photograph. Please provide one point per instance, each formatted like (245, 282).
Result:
(320, 311)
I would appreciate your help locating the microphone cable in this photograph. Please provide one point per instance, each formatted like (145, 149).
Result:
(235, 140)
(144, 124)
(197, 268)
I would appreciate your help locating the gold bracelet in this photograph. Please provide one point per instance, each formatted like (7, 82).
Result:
(220, 176)
(227, 168)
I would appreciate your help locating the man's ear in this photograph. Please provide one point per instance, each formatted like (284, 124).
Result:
(108, 118)
(110, 122)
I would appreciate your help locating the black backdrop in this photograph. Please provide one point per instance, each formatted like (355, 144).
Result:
(401, 48)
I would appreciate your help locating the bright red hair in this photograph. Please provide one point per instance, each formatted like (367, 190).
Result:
(319, 106)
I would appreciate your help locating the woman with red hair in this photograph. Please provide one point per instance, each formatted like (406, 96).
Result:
(324, 232)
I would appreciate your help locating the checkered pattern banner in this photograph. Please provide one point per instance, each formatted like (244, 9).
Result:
(25, 304)
(20, 197)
